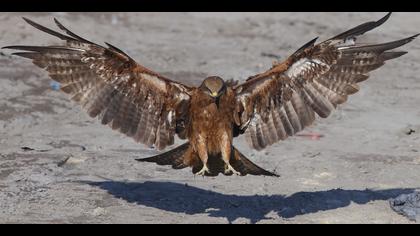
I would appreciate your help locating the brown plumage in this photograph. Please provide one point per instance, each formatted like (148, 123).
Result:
(268, 107)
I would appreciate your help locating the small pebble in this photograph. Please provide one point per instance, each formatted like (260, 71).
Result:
(99, 211)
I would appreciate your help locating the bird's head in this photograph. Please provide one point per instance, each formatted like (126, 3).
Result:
(213, 86)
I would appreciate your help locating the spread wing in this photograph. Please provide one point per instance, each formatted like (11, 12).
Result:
(285, 99)
(112, 86)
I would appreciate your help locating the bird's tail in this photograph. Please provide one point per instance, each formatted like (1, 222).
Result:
(174, 157)
(238, 161)
(182, 157)
(243, 165)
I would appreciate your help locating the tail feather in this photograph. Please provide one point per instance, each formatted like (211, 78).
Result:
(174, 157)
(243, 165)
(181, 157)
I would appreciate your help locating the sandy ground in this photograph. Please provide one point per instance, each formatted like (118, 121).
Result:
(364, 157)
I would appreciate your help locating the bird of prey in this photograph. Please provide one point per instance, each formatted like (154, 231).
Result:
(266, 108)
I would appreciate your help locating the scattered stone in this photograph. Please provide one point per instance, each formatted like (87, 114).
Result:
(407, 205)
(410, 131)
(314, 155)
(61, 163)
(311, 154)
(99, 211)
(76, 160)
(72, 160)
(324, 175)
(270, 55)
(26, 149)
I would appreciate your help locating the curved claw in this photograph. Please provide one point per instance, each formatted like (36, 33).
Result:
(203, 171)
(229, 169)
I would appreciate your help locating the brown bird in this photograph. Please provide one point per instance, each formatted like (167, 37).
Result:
(267, 108)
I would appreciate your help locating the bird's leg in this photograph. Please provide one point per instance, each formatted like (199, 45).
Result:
(226, 154)
(202, 153)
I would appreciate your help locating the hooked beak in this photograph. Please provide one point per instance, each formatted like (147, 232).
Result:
(215, 94)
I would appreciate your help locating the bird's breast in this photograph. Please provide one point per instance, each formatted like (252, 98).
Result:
(211, 122)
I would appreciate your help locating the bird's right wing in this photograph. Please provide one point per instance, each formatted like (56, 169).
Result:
(112, 86)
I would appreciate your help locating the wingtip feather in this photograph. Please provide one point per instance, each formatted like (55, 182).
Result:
(384, 19)
(70, 33)
(363, 28)
(12, 47)
(29, 55)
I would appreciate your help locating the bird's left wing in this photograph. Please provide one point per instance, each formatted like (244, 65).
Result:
(112, 86)
(284, 100)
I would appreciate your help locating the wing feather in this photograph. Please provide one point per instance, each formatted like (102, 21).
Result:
(111, 86)
(315, 79)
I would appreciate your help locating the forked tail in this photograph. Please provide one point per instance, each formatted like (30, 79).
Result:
(174, 157)
(242, 164)
(181, 157)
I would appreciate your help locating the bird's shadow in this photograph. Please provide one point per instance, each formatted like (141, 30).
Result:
(180, 198)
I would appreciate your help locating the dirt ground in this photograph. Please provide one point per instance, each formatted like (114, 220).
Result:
(369, 151)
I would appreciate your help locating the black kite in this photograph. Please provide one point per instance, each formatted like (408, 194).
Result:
(267, 108)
